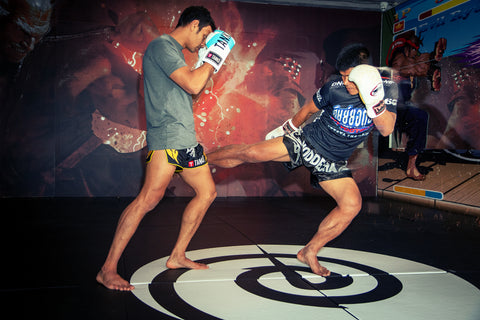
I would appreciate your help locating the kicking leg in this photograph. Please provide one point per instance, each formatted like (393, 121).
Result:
(228, 156)
(236, 154)
(349, 202)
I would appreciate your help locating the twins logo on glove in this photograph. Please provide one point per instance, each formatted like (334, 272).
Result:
(218, 46)
(378, 109)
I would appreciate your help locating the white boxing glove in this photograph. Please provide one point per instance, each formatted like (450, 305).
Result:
(202, 52)
(217, 47)
(370, 87)
(285, 128)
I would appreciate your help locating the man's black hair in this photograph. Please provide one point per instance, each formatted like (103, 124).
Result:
(351, 56)
(196, 13)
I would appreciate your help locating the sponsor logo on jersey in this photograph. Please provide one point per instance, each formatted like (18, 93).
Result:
(337, 84)
(387, 82)
(390, 101)
(351, 120)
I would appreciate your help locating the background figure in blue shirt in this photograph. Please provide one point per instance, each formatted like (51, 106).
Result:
(347, 108)
(409, 65)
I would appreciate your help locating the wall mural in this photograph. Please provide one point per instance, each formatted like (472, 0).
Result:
(445, 73)
(72, 98)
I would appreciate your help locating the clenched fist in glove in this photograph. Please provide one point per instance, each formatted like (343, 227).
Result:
(287, 127)
(370, 87)
(217, 47)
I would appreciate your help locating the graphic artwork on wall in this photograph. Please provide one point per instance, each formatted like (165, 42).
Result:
(442, 75)
(73, 119)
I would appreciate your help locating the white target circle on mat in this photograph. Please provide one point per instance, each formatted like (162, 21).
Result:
(268, 282)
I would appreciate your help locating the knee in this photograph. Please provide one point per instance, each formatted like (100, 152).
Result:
(210, 195)
(207, 195)
(150, 199)
(351, 206)
(250, 154)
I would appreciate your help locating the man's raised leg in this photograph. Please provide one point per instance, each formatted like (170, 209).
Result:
(233, 155)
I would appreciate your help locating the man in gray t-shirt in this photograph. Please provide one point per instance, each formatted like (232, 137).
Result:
(168, 106)
(169, 84)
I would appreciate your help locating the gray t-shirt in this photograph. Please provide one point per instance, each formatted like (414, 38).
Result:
(168, 107)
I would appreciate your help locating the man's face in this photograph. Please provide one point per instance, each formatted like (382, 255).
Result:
(23, 30)
(411, 52)
(351, 87)
(198, 37)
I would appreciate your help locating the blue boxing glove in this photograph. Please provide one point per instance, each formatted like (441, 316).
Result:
(218, 46)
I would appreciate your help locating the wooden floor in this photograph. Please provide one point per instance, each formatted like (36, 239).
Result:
(457, 180)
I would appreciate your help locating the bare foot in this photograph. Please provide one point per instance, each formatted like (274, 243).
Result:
(113, 281)
(310, 258)
(177, 263)
(414, 174)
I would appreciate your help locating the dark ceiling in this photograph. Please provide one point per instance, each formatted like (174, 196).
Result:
(364, 5)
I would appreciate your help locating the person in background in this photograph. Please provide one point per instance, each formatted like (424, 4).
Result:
(409, 64)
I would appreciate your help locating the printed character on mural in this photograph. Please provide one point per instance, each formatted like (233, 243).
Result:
(23, 25)
(444, 80)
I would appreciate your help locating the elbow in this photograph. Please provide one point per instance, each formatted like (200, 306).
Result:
(386, 132)
(199, 79)
(196, 86)
(194, 89)
(386, 125)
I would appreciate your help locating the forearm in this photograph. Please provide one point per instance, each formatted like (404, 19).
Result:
(304, 113)
(200, 77)
(192, 81)
(385, 123)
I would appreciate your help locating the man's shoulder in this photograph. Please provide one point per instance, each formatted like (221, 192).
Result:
(333, 91)
(161, 42)
(389, 76)
(333, 84)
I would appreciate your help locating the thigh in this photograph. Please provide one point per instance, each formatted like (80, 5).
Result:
(268, 150)
(158, 173)
(200, 179)
(344, 190)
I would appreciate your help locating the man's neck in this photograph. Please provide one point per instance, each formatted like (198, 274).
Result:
(179, 34)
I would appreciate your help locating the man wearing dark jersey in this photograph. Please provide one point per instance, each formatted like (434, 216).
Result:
(347, 108)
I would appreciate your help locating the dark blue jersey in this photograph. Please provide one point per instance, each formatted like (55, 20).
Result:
(342, 123)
